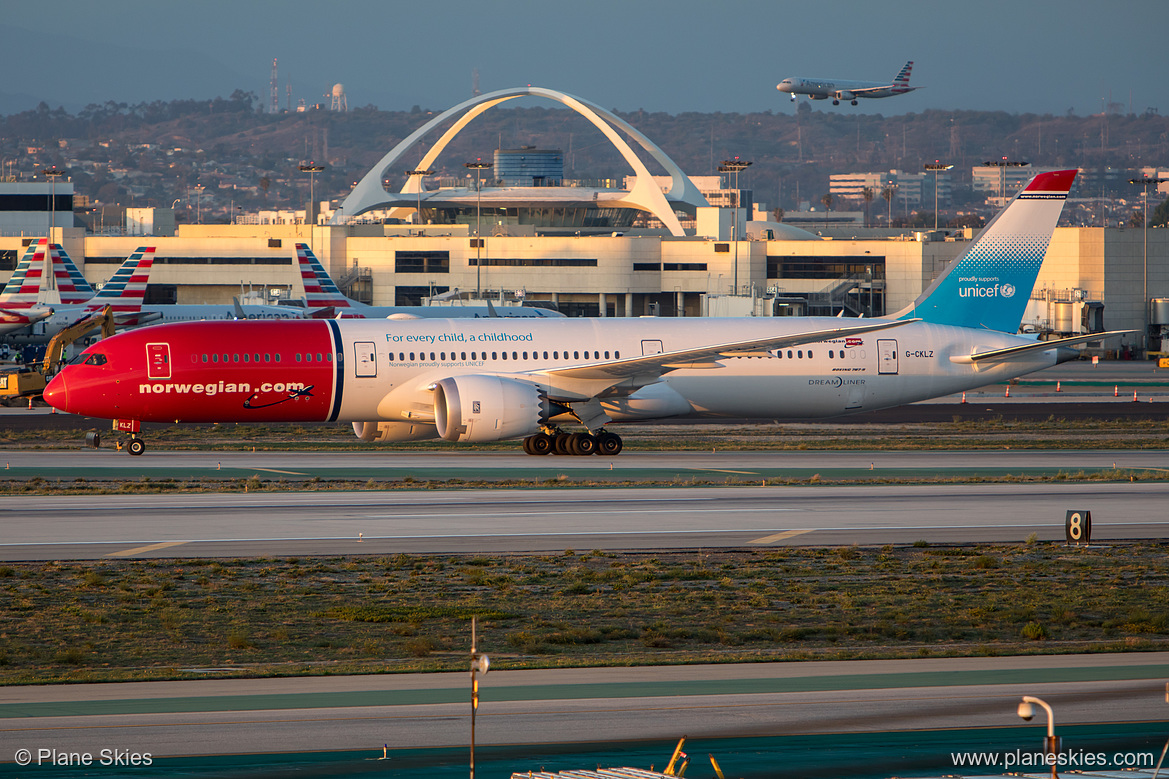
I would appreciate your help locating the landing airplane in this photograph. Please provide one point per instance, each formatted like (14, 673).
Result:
(19, 307)
(324, 300)
(495, 379)
(123, 293)
(837, 90)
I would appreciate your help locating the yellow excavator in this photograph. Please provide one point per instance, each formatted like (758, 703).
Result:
(30, 381)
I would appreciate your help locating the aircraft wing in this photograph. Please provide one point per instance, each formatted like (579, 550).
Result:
(999, 355)
(649, 368)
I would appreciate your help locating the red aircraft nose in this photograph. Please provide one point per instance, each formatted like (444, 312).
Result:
(56, 394)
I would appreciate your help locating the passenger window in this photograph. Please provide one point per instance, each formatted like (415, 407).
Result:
(319, 356)
(789, 354)
(256, 357)
(829, 354)
(514, 356)
(809, 354)
(505, 355)
(329, 357)
(576, 355)
(267, 357)
(606, 355)
(204, 358)
(442, 356)
(525, 355)
(432, 357)
(555, 355)
(215, 358)
(800, 354)
(411, 356)
(463, 356)
(617, 355)
(298, 356)
(277, 356)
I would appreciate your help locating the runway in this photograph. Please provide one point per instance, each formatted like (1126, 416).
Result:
(546, 520)
(585, 705)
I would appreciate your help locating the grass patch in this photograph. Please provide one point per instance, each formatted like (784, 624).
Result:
(150, 619)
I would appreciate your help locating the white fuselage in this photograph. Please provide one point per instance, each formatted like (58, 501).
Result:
(394, 379)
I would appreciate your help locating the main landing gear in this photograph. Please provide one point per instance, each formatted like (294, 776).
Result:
(579, 444)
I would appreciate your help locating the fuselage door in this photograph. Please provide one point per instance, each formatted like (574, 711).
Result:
(886, 356)
(651, 347)
(364, 360)
(158, 361)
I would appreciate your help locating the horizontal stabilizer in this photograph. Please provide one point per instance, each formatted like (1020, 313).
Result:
(998, 355)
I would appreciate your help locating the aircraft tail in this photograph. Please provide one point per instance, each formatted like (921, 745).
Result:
(70, 285)
(902, 79)
(126, 289)
(989, 284)
(24, 285)
(319, 289)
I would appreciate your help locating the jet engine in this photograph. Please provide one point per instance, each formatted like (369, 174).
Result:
(844, 95)
(487, 408)
(389, 432)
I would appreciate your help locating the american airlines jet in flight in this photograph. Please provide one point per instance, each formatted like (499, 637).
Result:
(478, 380)
(823, 88)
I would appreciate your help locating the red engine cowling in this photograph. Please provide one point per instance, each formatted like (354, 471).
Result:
(487, 408)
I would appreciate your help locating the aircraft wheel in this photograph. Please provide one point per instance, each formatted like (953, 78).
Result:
(560, 443)
(528, 445)
(609, 444)
(93, 438)
(835, 102)
(581, 444)
(541, 444)
(136, 446)
(854, 102)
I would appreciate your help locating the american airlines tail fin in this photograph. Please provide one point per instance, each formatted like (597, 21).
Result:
(126, 289)
(988, 286)
(68, 285)
(24, 285)
(902, 79)
(319, 289)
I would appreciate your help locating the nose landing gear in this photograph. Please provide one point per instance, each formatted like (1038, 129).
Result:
(134, 446)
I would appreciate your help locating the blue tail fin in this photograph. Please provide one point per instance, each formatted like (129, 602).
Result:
(988, 286)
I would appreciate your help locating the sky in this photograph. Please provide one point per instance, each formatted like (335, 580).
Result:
(1018, 56)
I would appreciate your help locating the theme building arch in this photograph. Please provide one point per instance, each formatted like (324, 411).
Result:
(646, 195)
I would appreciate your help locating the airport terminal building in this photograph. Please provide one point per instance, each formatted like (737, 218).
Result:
(655, 246)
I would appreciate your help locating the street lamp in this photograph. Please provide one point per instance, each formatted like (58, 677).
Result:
(199, 203)
(1004, 163)
(52, 174)
(735, 166)
(478, 166)
(479, 665)
(1051, 745)
(312, 169)
(1146, 181)
(420, 174)
(937, 167)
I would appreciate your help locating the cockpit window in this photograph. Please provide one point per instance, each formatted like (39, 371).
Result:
(95, 358)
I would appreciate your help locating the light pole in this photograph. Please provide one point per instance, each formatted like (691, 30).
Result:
(478, 166)
(312, 169)
(199, 203)
(937, 167)
(1051, 744)
(735, 166)
(52, 174)
(420, 174)
(1003, 164)
(479, 665)
(1146, 181)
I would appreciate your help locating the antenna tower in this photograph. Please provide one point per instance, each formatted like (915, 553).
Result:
(274, 107)
(475, 83)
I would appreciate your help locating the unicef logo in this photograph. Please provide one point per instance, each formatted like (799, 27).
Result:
(1008, 290)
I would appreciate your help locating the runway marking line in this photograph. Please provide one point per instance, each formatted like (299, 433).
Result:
(724, 470)
(276, 470)
(781, 536)
(144, 549)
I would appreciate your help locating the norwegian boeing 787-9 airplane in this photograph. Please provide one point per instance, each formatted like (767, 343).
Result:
(479, 380)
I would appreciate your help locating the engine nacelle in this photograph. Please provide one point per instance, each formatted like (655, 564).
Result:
(487, 408)
(389, 432)
(844, 95)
